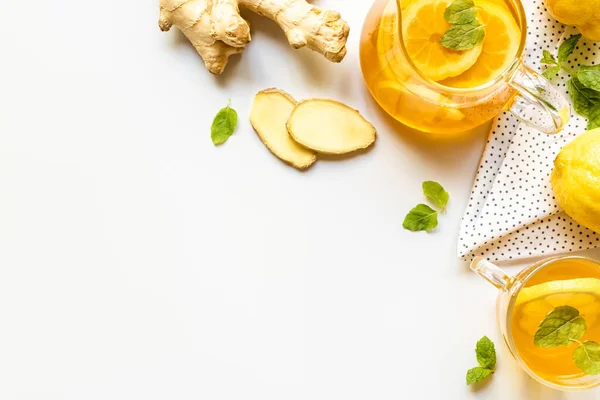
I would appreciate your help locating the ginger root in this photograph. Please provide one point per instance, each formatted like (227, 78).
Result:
(329, 127)
(217, 30)
(270, 112)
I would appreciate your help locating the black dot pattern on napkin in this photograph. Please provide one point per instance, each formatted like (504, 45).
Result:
(512, 212)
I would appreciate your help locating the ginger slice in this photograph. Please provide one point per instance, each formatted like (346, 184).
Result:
(270, 111)
(330, 127)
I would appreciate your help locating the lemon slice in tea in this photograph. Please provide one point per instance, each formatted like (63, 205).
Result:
(423, 25)
(502, 40)
(396, 85)
(535, 302)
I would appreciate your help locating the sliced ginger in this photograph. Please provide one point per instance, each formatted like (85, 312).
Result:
(270, 111)
(329, 127)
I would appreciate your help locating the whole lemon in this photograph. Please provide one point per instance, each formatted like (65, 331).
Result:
(576, 179)
(585, 14)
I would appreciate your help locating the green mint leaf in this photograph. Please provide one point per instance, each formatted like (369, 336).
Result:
(477, 374)
(559, 328)
(589, 76)
(587, 357)
(421, 218)
(567, 47)
(460, 12)
(594, 117)
(463, 37)
(551, 72)
(223, 125)
(436, 193)
(548, 58)
(583, 98)
(486, 353)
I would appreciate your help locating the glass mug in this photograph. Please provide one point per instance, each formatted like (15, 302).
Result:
(524, 301)
(405, 93)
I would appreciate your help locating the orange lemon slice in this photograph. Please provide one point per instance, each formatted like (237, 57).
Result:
(423, 25)
(500, 46)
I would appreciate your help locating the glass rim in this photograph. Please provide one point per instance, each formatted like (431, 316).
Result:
(517, 61)
(529, 272)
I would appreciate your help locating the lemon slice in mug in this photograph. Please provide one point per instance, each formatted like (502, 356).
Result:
(535, 302)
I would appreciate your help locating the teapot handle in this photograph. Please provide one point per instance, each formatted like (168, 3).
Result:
(538, 103)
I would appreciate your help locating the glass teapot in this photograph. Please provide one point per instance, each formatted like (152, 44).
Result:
(414, 90)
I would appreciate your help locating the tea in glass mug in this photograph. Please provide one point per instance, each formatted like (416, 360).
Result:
(549, 316)
(432, 87)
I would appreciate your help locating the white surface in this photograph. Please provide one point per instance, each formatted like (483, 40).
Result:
(137, 261)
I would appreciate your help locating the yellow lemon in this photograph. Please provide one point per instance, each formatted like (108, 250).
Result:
(576, 179)
(423, 25)
(502, 40)
(585, 14)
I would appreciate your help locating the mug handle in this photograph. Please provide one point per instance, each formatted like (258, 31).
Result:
(491, 273)
(538, 103)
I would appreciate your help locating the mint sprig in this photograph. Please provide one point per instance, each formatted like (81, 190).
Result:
(564, 326)
(423, 217)
(466, 32)
(486, 357)
(584, 85)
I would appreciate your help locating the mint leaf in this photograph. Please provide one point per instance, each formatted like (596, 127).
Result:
(460, 12)
(477, 374)
(486, 353)
(436, 193)
(587, 357)
(583, 98)
(560, 327)
(548, 58)
(567, 47)
(589, 76)
(421, 218)
(463, 37)
(593, 118)
(223, 125)
(551, 72)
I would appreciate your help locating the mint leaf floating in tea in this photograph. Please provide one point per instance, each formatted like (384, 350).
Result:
(421, 218)
(436, 193)
(587, 357)
(589, 76)
(463, 37)
(466, 32)
(223, 125)
(486, 357)
(560, 327)
(486, 353)
(567, 47)
(564, 326)
(460, 12)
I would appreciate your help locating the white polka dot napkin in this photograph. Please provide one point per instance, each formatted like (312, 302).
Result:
(512, 212)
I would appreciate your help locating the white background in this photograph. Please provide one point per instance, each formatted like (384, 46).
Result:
(138, 261)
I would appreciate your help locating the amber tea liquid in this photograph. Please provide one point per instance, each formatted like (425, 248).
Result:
(571, 282)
